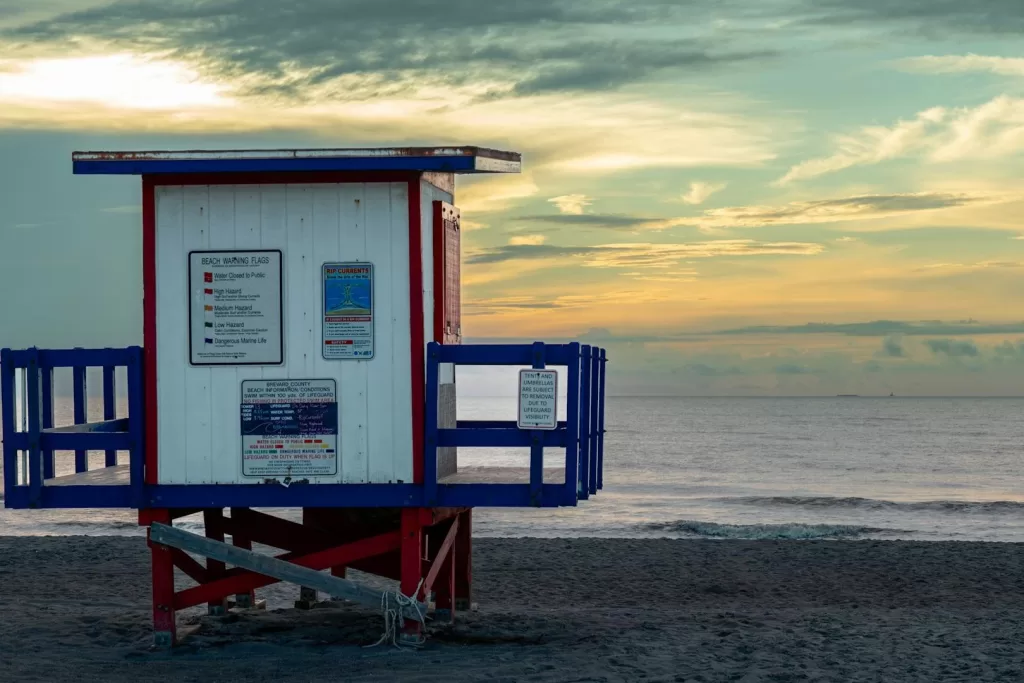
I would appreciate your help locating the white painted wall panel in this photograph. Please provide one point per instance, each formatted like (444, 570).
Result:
(199, 440)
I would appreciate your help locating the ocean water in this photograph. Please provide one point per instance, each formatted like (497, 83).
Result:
(833, 468)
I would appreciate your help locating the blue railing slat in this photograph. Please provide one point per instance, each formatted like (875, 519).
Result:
(431, 441)
(600, 430)
(497, 438)
(572, 436)
(46, 384)
(136, 427)
(585, 397)
(537, 440)
(109, 407)
(7, 400)
(33, 409)
(81, 407)
(595, 390)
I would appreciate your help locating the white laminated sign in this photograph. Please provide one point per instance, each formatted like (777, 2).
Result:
(235, 314)
(348, 311)
(289, 427)
(538, 399)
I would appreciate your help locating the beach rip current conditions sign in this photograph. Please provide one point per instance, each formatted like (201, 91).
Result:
(538, 399)
(289, 427)
(348, 311)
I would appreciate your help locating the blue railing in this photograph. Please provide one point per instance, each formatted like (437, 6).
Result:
(581, 433)
(34, 438)
(37, 437)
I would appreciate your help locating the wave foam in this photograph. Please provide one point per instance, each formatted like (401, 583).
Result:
(763, 531)
(956, 506)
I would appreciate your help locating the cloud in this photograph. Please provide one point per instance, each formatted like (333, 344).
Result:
(613, 221)
(859, 208)
(882, 328)
(699, 192)
(792, 369)
(930, 18)
(951, 64)
(525, 47)
(892, 347)
(952, 348)
(528, 240)
(991, 130)
(647, 255)
(571, 204)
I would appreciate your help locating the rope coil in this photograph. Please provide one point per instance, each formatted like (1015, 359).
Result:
(392, 606)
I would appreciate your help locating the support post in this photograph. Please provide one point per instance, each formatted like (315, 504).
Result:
(7, 423)
(585, 398)
(444, 584)
(247, 599)
(109, 407)
(164, 622)
(33, 408)
(600, 425)
(411, 552)
(572, 426)
(46, 379)
(463, 559)
(430, 419)
(537, 441)
(307, 596)
(81, 407)
(595, 390)
(213, 520)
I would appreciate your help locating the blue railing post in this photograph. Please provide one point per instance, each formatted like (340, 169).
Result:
(109, 406)
(7, 400)
(33, 409)
(430, 418)
(80, 400)
(595, 394)
(600, 428)
(572, 424)
(537, 440)
(136, 426)
(46, 384)
(585, 399)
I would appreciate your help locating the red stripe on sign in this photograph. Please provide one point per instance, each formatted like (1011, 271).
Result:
(207, 277)
(308, 441)
(279, 445)
(207, 291)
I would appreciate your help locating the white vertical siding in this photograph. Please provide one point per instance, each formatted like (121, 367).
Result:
(199, 440)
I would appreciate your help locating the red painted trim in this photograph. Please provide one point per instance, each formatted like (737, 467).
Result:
(411, 562)
(243, 581)
(416, 323)
(149, 325)
(281, 178)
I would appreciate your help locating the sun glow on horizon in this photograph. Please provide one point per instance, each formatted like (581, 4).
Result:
(118, 81)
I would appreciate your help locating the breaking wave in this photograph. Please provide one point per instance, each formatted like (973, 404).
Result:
(961, 506)
(763, 531)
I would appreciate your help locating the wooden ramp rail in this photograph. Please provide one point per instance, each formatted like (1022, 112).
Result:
(275, 568)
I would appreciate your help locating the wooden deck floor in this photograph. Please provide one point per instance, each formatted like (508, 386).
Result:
(119, 475)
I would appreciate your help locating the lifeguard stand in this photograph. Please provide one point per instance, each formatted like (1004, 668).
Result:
(302, 326)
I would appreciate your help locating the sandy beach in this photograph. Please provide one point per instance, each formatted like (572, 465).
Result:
(76, 608)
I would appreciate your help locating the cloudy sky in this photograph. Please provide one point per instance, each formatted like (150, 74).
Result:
(735, 196)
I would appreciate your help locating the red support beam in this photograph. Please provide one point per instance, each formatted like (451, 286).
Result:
(259, 527)
(245, 599)
(411, 564)
(162, 559)
(441, 557)
(213, 520)
(192, 569)
(241, 580)
(463, 559)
